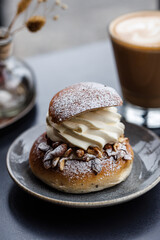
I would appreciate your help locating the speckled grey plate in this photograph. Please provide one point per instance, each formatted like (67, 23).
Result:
(144, 176)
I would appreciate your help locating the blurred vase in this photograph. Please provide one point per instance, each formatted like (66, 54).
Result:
(17, 82)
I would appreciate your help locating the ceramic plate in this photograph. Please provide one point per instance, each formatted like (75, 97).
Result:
(144, 176)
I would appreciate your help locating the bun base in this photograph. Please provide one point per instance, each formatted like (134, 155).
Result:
(77, 176)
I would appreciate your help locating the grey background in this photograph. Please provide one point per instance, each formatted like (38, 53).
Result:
(84, 22)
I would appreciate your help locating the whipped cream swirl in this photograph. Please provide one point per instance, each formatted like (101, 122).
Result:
(94, 128)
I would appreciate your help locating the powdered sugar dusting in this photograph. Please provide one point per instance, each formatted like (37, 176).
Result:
(82, 97)
(75, 169)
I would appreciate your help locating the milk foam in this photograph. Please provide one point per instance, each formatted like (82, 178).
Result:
(143, 30)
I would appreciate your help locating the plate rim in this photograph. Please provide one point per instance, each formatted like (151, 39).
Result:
(69, 203)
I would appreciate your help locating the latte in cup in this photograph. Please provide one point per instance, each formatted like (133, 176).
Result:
(136, 43)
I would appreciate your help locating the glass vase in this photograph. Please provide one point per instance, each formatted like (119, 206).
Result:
(17, 81)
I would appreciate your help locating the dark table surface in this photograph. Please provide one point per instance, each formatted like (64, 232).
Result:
(23, 216)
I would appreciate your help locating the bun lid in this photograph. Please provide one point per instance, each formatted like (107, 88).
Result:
(80, 98)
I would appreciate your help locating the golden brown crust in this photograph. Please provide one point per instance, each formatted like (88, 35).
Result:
(77, 176)
(80, 98)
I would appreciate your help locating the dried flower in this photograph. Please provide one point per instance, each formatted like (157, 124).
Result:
(58, 2)
(22, 6)
(64, 6)
(40, 1)
(56, 17)
(35, 23)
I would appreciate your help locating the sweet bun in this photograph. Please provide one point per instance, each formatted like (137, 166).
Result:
(82, 153)
(80, 98)
(80, 176)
